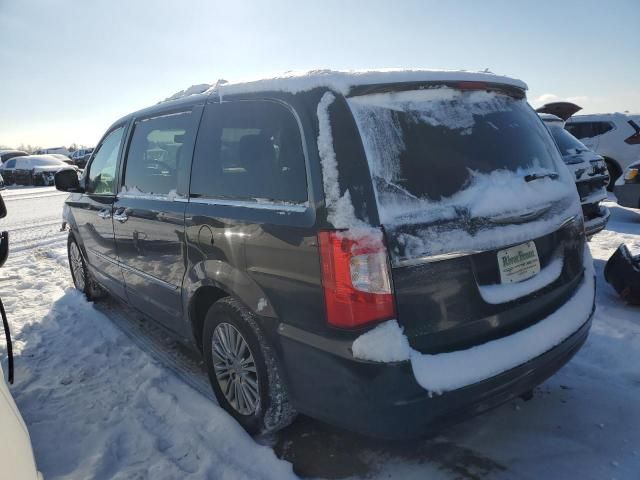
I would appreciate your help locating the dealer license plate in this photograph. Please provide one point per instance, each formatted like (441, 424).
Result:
(518, 263)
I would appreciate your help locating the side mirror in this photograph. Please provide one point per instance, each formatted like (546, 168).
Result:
(67, 181)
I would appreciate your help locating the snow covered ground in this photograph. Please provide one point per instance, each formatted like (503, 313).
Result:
(107, 396)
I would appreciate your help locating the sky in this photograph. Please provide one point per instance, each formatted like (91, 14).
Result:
(68, 69)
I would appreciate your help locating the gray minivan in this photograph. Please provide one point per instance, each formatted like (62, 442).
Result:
(277, 225)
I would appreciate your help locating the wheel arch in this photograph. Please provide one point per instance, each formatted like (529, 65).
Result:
(210, 280)
(202, 300)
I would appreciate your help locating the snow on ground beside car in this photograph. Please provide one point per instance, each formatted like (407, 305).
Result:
(99, 406)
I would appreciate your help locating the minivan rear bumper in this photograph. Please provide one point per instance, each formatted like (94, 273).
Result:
(384, 400)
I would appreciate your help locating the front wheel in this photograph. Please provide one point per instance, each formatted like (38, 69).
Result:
(79, 273)
(245, 375)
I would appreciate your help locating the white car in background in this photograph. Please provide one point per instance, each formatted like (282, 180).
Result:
(615, 136)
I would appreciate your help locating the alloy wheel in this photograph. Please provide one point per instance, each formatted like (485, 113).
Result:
(235, 369)
(77, 266)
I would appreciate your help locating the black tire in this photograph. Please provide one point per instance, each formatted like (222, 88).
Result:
(614, 173)
(273, 410)
(82, 278)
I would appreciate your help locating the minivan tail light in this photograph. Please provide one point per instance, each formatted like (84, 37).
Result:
(356, 278)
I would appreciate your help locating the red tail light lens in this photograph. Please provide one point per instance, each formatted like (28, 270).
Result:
(633, 139)
(356, 279)
(472, 85)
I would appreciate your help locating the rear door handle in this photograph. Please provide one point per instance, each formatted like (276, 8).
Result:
(104, 214)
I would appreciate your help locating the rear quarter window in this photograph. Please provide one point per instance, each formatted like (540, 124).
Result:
(250, 150)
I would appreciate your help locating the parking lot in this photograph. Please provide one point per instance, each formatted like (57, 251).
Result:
(105, 395)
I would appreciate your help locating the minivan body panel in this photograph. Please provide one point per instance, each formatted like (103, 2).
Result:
(149, 237)
(94, 232)
(269, 247)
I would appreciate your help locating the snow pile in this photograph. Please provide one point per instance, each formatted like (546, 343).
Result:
(502, 293)
(385, 343)
(449, 371)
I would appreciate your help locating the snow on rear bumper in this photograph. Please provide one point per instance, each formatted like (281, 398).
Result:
(454, 370)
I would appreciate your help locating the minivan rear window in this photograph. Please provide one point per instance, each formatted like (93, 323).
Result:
(428, 145)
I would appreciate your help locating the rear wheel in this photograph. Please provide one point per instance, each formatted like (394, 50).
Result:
(82, 279)
(245, 375)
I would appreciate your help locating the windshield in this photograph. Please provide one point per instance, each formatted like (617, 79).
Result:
(568, 144)
(434, 145)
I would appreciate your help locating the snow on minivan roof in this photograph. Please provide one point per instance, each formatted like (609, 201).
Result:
(344, 81)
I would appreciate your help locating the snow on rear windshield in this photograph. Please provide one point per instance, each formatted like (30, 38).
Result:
(426, 147)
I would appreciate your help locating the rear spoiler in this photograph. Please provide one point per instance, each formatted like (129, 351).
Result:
(564, 110)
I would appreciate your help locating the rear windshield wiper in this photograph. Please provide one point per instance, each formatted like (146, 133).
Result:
(537, 176)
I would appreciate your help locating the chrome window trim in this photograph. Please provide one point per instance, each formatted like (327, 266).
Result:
(297, 208)
(150, 196)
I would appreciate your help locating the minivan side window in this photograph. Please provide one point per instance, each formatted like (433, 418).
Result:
(102, 171)
(257, 154)
(158, 155)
